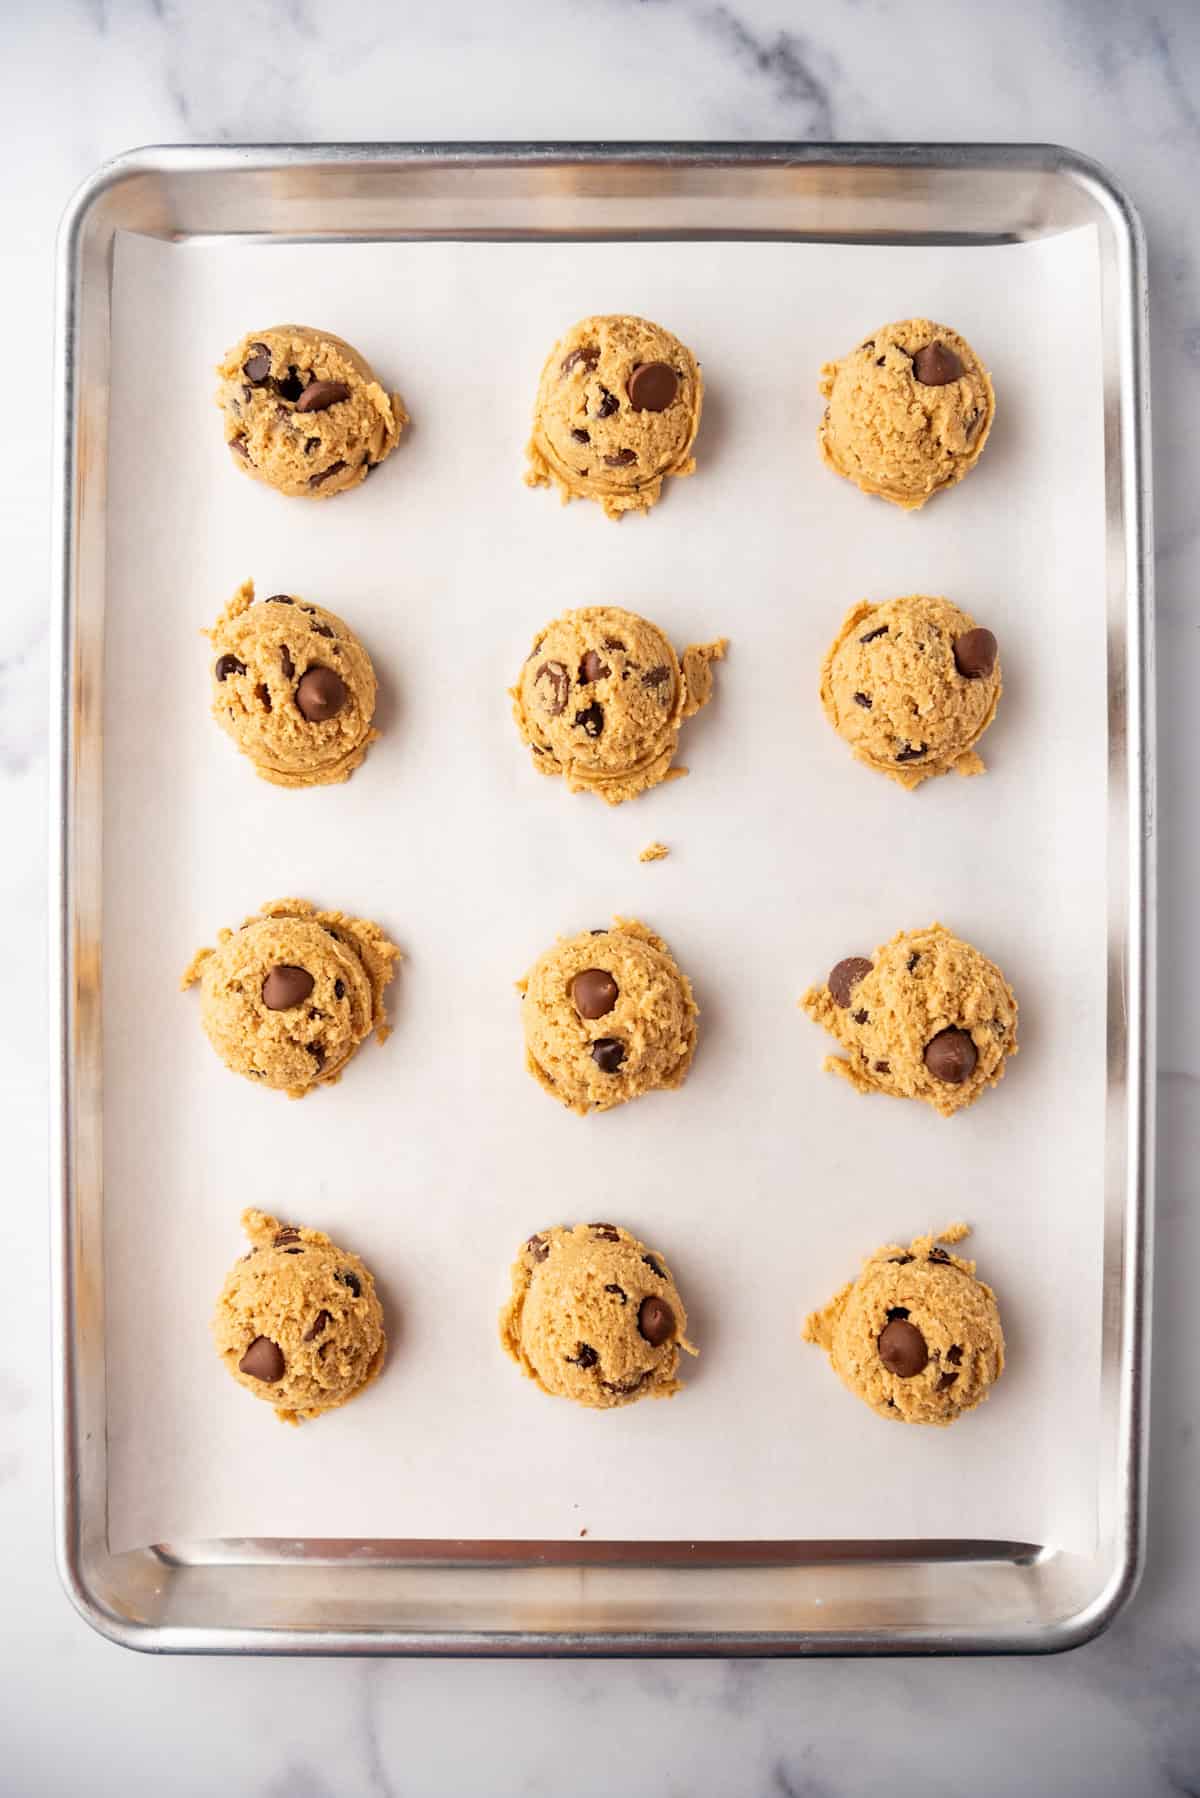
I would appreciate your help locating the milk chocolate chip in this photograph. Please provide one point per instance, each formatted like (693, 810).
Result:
(320, 694)
(845, 976)
(263, 1360)
(595, 992)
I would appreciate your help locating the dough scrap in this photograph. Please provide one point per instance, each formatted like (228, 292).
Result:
(654, 852)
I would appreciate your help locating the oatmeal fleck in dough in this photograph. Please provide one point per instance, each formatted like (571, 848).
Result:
(294, 688)
(601, 699)
(912, 685)
(298, 1322)
(909, 411)
(304, 412)
(595, 1316)
(607, 1017)
(927, 1017)
(617, 411)
(287, 999)
(916, 1336)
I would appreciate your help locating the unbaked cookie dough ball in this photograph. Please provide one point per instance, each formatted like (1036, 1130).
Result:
(294, 688)
(927, 1017)
(917, 1336)
(617, 410)
(298, 1322)
(595, 1316)
(601, 699)
(909, 411)
(607, 1016)
(304, 412)
(287, 999)
(912, 685)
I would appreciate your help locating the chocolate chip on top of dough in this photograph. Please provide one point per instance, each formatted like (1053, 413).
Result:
(917, 1335)
(293, 687)
(601, 699)
(304, 412)
(617, 411)
(594, 1317)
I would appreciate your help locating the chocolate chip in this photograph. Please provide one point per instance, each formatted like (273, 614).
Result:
(883, 1067)
(589, 356)
(293, 1251)
(938, 1255)
(263, 1360)
(606, 1232)
(954, 1356)
(912, 961)
(608, 1054)
(590, 720)
(900, 1260)
(654, 677)
(935, 365)
(895, 1312)
(263, 696)
(902, 1348)
(951, 1056)
(325, 474)
(320, 1322)
(623, 459)
(594, 992)
(597, 933)
(861, 1017)
(863, 700)
(321, 630)
(620, 1293)
(317, 1053)
(279, 599)
(346, 1278)
(656, 1321)
(320, 694)
(318, 396)
(258, 367)
(591, 668)
(289, 1233)
(975, 653)
(538, 1247)
(227, 665)
(584, 1356)
(291, 387)
(613, 643)
(652, 386)
(912, 752)
(311, 444)
(339, 989)
(945, 1380)
(607, 406)
(652, 1264)
(845, 976)
(238, 446)
(871, 635)
(286, 663)
(581, 436)
(558, 685)
(286, 987)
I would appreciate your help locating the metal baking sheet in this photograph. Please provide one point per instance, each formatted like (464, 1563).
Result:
(628, 195)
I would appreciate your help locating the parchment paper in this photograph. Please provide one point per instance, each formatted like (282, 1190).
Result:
(764, 1180)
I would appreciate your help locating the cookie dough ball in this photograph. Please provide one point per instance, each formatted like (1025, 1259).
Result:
(595, 1316)
(288, 998)
(298, 1322)
(909, 411)
(608, 1016)
(304, 412)
(916, 1336)
(294, 688)
(602, 697)
(927, 1017)
(912, 685)
(618, 408)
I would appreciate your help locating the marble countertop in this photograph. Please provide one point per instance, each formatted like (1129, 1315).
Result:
(1117, 80)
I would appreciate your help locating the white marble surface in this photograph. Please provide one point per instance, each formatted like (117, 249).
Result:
(1118, 80)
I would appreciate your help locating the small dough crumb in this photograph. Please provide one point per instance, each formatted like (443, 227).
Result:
(654, 852)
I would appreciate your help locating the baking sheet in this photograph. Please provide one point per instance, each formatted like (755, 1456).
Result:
(763, 1180)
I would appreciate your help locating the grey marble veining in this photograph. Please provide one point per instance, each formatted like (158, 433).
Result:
(1117, 80)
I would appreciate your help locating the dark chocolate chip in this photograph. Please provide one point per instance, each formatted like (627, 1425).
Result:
(951, 1056)
(863, 700)
(652, 386)
(538, 1247)
(345, 1277)
(654, 677)
(263, 695)
(591, 668)
(590, 719)
(613, 643)
(558, 685)
(883, 1067)
(318, 396)
(652, 1264)
(227, 665)
(258, 366)
(975, 653)
(607, 1232)
(902, 1349)
(339, 989)
(935, 365)
(597, 933)
(238, 446)
(321, 630)
(945, 1380)
(954, 1355)
(912, 752)
(310, 444)
(584, 1356)
(845, 976)
(263, 1360)
(325, 474)
(289, 1233)
(620, 1293)
(871, 635)
(607, 406)
(319, 1323)
(589, 356)
(286, 987)
(320, 694)
(656, 1321)
(317, 1053)
(624, 458)
(291, 387)
(860, 1016)
(900, 1260)
(608, 1054)
(912, 961)
(293, 1251)
(581, 436)
(279, 599)
(895, 1312)
(594, 992)
(286, 663)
